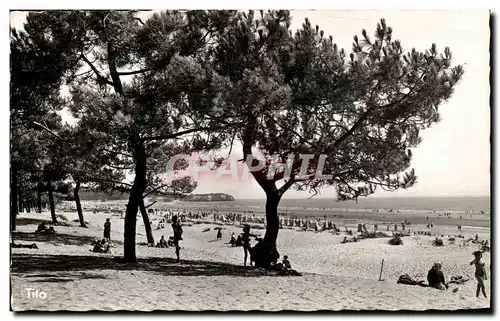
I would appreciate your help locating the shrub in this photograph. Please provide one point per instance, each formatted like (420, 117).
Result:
(396, 240)
(438, 242)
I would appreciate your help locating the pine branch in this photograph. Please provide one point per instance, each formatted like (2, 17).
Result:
(135, 72)
(48, 130)
(146, 207)
(100, 77)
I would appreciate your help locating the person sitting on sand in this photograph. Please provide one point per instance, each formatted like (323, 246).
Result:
(177, 236)
(286, 263)
(435, 277)
(163, 242)
(51, 230)
(239, 241)
(105, 246)
(97, 247)
(41, 228)
(480, 272)
(344, 240)
(233, 240)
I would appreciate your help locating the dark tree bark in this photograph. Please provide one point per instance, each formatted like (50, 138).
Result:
(147, 223)
(134, 201)
(13, 195)
(139, 185)
(51, 202)
(78, 204)
(39, 197)
(265, 252)
(21, 202)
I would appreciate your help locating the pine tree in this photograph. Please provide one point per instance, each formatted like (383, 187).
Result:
(158, 89)
(37, 68)
(358, 114)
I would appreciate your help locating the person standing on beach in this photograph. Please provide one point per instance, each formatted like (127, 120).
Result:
(176, 227)
(480, 272)
(107, 230)
(246, 243)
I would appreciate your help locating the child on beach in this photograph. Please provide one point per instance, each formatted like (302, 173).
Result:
(480, 272)
(176, 227)
(163, 242)
(246, 242)
(286, 262)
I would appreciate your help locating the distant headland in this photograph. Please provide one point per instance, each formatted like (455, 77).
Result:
(213, 197)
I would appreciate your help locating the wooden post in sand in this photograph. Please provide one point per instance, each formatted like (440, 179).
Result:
(381, 268)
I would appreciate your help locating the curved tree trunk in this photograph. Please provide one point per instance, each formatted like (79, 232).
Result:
(51, 202)
(13, 195)
(134, 201)
(147, 223)
(265, 252)
(78, 203)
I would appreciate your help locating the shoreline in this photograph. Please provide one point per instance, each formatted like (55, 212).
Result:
(340, 217)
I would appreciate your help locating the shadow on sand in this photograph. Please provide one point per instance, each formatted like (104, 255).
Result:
(31, 221)
(55, 239)
(55, 266)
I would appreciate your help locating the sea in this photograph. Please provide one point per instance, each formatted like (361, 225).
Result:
(418, 204)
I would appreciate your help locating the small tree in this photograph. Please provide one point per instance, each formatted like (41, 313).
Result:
(85, 158)
(356, 114)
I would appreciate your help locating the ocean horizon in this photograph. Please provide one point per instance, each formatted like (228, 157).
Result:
(431, 203)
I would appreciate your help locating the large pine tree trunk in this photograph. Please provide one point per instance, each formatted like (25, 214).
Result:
(39, 197)
(147, 223)
(78, 204)
(134, 201)
(13, 195)
(21, 201)
(265, 253)
(51, 202)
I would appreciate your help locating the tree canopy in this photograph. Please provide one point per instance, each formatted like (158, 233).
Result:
(185, 82)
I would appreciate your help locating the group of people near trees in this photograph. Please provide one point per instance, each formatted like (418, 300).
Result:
(101, 246)
(43, 229)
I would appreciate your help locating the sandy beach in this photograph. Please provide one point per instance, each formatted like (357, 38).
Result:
(211, 275)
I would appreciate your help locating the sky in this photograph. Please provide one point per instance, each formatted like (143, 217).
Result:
(454, 156)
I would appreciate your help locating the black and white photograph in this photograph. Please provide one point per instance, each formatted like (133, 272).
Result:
(250, 160)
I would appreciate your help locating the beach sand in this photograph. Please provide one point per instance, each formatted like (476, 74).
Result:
(211, 275)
